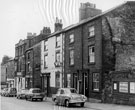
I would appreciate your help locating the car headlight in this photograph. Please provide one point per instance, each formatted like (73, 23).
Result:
(84, 97)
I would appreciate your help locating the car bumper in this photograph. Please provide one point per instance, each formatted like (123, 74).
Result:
(77, 101)
(37, 97)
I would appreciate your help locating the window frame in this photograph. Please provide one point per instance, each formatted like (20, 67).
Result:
(45, 62)
(45, 45)
(56, 58)
(91, 55)
(57, 41)
(91, 31)
(71, 58)
(57, 80)
(71, 38)
(95, 82)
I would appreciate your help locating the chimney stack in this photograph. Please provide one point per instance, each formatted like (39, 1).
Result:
(58, 25)
(46, 31)
(88, 10)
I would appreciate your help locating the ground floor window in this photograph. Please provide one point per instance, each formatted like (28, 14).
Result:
(95, 82)
(57, 79)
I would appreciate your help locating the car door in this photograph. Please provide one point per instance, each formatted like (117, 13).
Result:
(57, 96)
(62, 93)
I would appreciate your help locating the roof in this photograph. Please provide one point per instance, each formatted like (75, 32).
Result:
(88, 19)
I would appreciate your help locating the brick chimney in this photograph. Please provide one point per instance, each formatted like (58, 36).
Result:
(58, 25)
(46, 31)
(88, 10)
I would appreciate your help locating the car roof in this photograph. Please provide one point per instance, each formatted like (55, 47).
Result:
(66, 88)
(34, 88)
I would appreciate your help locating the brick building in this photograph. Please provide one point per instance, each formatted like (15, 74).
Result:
(33, 59)
(92, 51)
(20, 49)
(10, 73)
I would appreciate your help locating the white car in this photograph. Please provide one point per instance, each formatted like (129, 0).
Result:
(34, 94)
(68, 96)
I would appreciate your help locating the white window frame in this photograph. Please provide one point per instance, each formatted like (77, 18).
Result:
(57, 41)
(91, 51)
(95, 81)
(57, 56)
(45, 60)
(45, 45)
(71, 38)
(71, 57)
(91, 31)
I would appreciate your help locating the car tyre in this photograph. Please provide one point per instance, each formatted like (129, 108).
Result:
(67, 103)
(41, 99)
(82, 104)
(56, 103)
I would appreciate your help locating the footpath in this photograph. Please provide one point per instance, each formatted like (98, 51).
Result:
(102, 106)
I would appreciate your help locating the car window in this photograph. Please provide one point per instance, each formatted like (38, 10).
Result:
(36, 91)
(73, 90)
(58, 92)
(62, 92)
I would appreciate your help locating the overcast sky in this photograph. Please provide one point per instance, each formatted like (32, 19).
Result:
(17, 17)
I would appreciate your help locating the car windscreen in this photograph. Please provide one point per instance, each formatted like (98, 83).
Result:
(71, 91)
(36, 91)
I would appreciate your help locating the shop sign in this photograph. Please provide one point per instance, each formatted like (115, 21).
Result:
(123, 87)
(132, 87)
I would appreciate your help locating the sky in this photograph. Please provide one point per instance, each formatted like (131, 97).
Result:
(18, 17)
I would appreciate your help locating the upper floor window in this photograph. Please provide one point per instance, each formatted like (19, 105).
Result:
(45, 60)
(91, 31)
(71, 57)
(71, 38)
(45, 45)
(57, 41)
(96, 81)
(28, 55)
(91, 58)
(58, 56)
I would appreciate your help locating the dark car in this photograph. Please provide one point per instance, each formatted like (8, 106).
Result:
(11, 92)
(34, 94)
(22, 94)
(68, 96)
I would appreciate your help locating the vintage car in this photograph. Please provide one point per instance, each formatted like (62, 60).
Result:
(3, 91)
(68, 96)
(11, 92)
(21, 94)
(34, 93)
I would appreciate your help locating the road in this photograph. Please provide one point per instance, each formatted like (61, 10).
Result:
(11, 103)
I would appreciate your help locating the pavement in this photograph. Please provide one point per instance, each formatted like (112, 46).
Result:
(103, 106)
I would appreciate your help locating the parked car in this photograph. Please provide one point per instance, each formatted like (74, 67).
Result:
(21, 94)
(3, 93)
(11, 92)
(68, 96)
(34, 93)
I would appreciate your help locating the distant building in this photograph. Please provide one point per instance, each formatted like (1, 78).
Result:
(3, 76)
(10, 73)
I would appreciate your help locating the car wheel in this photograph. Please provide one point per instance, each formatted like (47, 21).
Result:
(41, 99)
(82, 104)
(56, 102)
(67, 103)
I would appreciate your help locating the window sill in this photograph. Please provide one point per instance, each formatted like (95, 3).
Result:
(91, 36)
(92, 63)
(57, 46)
(71, 65)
